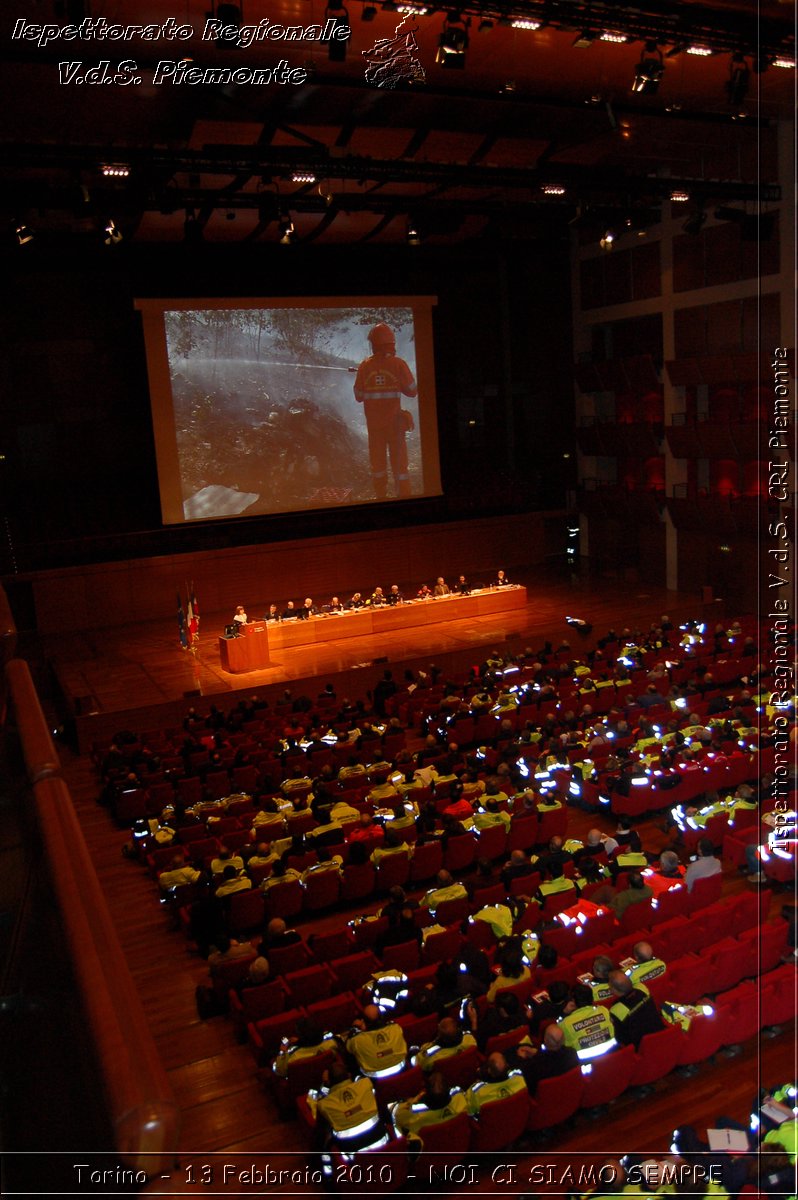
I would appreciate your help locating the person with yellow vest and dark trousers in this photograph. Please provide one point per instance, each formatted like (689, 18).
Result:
(436, 1104)
(381, 381)
(347, 1116)
(634, 1013)
(587, 1028)
(450, 1041)
(377, 1045)
(557, 885)
(496, 1082)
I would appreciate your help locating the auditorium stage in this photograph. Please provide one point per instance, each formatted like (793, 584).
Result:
(138, 675)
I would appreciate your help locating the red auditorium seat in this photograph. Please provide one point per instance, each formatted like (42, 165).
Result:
(284, 899)
(352, 970)
(555, 1100)
(427, 860)
(335, 1013)
(302, 1075)
(778, 997)
(500, 1123)
(608, 1077)
(244, 912)
(292, 957)
(266, 1035)
(254, 1003)
(322, 889)
(657, 1055)
(309, 984)
(765, 945)
(444, 1145)
(705, 892)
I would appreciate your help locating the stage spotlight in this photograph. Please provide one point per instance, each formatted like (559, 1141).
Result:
(649, 70)
(336, 46)
(737, 83)
(607, 240)
(112, 236)
(453, 43)
(24, 235)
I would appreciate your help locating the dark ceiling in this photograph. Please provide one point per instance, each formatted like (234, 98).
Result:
(454, 154)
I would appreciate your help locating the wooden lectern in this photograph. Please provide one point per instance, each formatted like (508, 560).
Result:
(249, 652)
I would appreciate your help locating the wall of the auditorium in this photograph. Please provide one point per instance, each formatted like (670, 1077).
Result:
(674, 332)
(77, 473)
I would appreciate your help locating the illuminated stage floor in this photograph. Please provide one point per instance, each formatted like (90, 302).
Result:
(143, 667)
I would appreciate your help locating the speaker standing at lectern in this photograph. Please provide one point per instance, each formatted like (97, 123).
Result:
(240, 617)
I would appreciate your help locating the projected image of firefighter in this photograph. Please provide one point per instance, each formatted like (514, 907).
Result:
(381, 381)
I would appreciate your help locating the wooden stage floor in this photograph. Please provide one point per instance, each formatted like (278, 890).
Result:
(110, 673)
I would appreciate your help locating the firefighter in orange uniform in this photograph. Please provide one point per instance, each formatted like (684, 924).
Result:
(380, 383)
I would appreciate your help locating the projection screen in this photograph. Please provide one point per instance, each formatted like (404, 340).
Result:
(254, 407)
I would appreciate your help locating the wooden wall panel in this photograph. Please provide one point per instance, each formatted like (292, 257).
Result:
(112, 594)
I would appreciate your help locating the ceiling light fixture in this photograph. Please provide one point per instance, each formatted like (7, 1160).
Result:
(303, 177)
(553, 189)
(700, 51)
(786, 64)
(413, 10)
(413, 237)
(116, 170)
(24, 235)
(607, 241)
(679, 197)
(453, 43)
(609, 36)
(649, 71)
(525, 23)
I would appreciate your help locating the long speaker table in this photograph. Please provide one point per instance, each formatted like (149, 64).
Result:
(249, 652)
(365, 622)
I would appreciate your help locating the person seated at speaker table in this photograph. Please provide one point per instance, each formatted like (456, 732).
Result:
(378, 597)
(501, 579)
(395, 596)
(463, 587)
(308, 609)
(239, 616)
(290, 611)
(441, 587)
(336, 606)
(357, 601)
(423, 592)
(273, 613)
